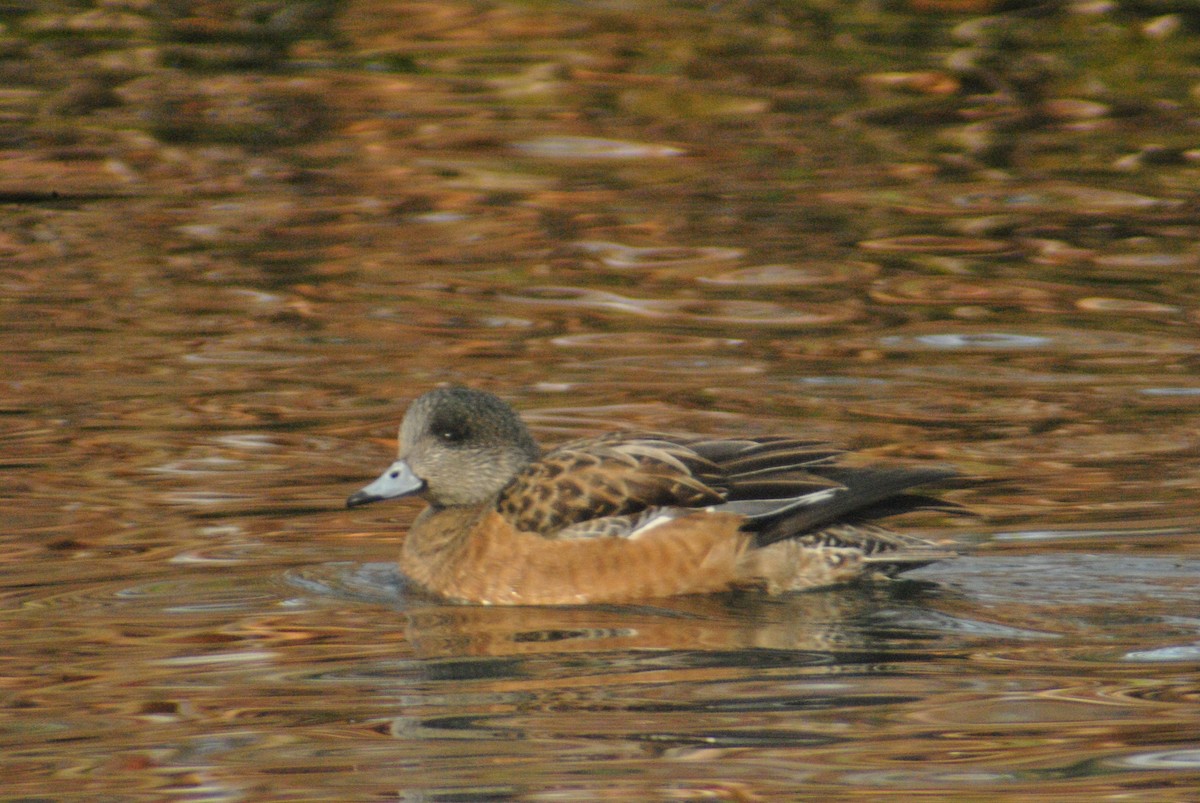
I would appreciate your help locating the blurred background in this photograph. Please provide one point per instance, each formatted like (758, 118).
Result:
(236, 238)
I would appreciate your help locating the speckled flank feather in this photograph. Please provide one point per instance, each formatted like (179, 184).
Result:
(628, 516)
(583, 481)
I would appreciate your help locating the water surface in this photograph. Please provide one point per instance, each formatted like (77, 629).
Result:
(236, 241)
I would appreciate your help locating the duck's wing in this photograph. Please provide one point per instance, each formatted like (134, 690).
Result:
(573, 488)
(857, 495)
(821, 504)
(765, 477)
(611, 476)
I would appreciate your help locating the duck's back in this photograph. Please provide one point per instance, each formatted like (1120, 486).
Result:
(581, 487)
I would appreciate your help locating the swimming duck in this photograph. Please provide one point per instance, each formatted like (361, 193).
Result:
(634, 515)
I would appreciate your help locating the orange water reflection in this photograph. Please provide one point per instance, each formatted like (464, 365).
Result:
(238, 238)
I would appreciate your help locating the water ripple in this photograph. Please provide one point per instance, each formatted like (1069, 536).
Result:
(1059, 340)
(624, 257)
(567, 147)
(1181, 652)
(247, 357)
(782, 276)
(976, 341)
(1162, 760)
(719, 312)
(642, 342)
(939, 244)
(693, 365)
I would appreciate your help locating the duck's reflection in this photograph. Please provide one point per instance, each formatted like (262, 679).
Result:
(836, 620)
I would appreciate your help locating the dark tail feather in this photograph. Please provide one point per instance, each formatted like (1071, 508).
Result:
(866, 494)
(907, 503)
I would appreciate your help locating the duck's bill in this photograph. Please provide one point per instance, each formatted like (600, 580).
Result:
(394, 483)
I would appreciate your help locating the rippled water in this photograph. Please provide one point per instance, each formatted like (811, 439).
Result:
(236, 240)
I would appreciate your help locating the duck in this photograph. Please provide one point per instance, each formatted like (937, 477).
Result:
(629, 516)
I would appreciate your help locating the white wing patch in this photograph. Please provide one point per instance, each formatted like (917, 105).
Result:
(816, 497)
(660, 517)
(766, 508)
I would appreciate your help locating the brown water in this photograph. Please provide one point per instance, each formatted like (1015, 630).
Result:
(237, 238)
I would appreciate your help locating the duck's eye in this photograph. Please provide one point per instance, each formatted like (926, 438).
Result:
(451, 434)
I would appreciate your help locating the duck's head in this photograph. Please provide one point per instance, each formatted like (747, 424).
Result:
(458, 446)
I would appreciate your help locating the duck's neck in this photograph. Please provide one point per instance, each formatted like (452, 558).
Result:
(440, 532)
